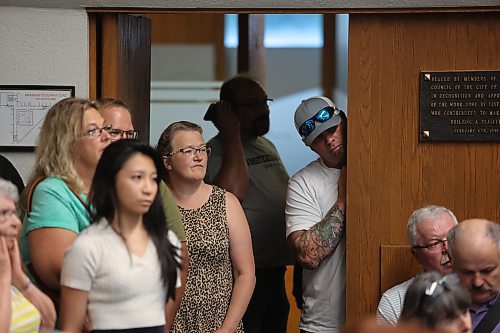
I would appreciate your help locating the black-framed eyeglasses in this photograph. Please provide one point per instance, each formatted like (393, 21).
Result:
(7, 213)
(436, 245)
(191, 151)
(96, 132)
(321, 116)
(266, 102)
(117, 134)
(436, 288)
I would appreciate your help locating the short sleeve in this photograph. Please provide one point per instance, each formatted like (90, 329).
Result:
(80, 263)
(53, 206)
(301, 210)
(172, 214)
(386, 314)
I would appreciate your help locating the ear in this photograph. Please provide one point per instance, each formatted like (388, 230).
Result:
(167, 164)
(414, 253)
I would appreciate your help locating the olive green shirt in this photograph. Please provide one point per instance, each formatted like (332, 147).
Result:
(172, 214)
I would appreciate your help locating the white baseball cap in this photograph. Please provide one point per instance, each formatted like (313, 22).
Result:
(315, 115)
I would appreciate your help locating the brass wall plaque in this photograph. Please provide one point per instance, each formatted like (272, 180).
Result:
(460, 106)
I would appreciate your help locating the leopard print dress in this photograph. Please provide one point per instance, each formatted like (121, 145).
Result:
(210, 279)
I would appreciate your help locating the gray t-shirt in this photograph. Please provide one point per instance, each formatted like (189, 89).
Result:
(264, 201)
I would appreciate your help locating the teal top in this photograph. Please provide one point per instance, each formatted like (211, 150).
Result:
(53, 205)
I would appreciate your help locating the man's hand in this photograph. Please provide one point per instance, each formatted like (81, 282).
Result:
(227, 122)
(233, 174)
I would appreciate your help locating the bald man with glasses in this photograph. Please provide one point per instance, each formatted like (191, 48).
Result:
(426, 229)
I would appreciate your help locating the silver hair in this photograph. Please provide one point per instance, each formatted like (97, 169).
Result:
(491, 231)
(8, 190)
(420, 214)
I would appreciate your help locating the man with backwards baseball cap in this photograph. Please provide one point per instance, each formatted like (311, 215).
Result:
(315, 215)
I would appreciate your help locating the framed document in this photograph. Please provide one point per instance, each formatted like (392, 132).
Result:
(22, 111)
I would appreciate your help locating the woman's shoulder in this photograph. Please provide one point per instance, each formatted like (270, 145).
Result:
(52, 184)
(97, 232)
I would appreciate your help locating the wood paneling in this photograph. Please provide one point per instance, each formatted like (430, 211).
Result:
(92, 56)
(397, 264)
(125, 70)
(328, 56)
(192, 28)
(389, 172)
(251, 46)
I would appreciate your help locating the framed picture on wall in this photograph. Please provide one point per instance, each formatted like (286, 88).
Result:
(22, 111)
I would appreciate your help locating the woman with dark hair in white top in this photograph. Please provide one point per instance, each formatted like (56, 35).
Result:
(123, 268)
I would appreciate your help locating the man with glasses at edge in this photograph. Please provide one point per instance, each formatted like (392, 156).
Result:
(475, 257)
(426, 229)
(315, 215)
(247, 164)
(116, 114)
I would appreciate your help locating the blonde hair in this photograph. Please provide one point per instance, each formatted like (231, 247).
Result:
(60, 130)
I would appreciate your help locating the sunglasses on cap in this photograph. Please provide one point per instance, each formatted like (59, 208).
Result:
(321, 116)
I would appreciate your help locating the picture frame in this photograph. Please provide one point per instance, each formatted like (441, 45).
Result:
(22, 112)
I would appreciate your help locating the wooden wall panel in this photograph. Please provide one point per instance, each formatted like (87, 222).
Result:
(390, 173)
(125, 65)
(251, 46)
(328, 56)
(397, 264)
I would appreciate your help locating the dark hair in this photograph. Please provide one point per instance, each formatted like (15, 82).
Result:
(104, 200)
(236, 83)
(447, 299)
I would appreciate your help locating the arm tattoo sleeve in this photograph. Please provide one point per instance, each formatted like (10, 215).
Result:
(321, 240)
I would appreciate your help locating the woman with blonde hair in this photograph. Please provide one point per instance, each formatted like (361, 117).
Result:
(221, 273)
(71, 141)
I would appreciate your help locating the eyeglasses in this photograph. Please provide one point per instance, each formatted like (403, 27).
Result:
(117, 134)
(322, 116)
(7, 213)
(446, 282)
(434, 246)
(96, 132)
(266, 102)
(191, 151)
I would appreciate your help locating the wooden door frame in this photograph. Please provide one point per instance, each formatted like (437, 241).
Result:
(358, 306)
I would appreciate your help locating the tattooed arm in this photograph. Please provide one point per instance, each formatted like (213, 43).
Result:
(313, 245)
(317, 243)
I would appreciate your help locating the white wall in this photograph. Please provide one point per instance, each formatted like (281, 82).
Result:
(43, 47)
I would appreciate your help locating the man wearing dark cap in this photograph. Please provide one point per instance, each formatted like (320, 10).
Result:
(315, 215)
(247, 164)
